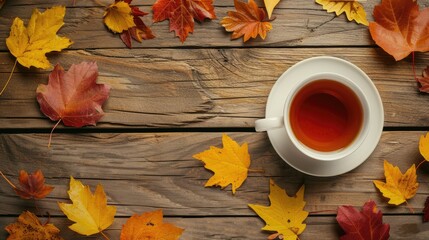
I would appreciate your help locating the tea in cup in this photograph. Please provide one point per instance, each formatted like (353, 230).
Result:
(325, 116)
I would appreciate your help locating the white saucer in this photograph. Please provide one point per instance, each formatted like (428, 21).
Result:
(281, 89)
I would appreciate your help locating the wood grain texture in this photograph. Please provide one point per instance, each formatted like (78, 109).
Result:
(205, 87)
(145, 171)
(297, 23)
(229, 228)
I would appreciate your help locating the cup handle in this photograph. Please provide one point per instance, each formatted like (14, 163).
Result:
(262, 125)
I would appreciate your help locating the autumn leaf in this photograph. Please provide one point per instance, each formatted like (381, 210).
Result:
(30, 44)
(32, 185)
(424, 87)
(353, 9)
(400, 28)
(285, 215)
(90, 212)
(230, 163)
(426, 211)
(398, 187)
(149, 225)
(181, 14)
(364, 225)
(140, 31)
(73, 97)
(248, 21)
(28, 227)
(118, 17)
(270, 5)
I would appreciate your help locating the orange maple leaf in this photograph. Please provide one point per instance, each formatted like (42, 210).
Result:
(149, 226)
(248, 21)
(398, 187)
(32, 185)
(181, 14)
(424, 84)
(400, 28)
(28, 227)
(230, 163)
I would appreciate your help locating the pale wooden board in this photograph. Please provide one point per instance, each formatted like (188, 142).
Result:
(229, 228)
(145, 171)
(205, 87)
(297, 23)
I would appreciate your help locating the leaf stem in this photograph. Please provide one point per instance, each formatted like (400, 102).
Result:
(104, 235)
(7, 180)
(52, 131)
(409, 207)
(10, 77)
(260, 170)
(424, 160)
(323, 211)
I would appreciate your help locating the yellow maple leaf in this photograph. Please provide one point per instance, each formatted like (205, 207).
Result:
(28, 227)
(270, 5)
(285, 215)
(353, 9)
(148, 226)
(118, 17)
(230, 164)
(30, 44)
(398, 187)
(90, 212)
(424, 146)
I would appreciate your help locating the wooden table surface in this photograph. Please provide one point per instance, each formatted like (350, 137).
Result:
(171, 100)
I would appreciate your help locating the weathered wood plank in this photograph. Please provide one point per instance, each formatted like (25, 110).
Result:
(146, 171)
(205, 87)
(401, 227)
(297, 23)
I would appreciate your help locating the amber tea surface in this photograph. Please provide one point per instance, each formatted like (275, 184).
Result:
(326, 115)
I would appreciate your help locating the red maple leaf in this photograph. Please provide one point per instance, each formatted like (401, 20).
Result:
(426, 211)
(32, 185)
(181, 14)
(424, 81)
(364, 225)
(140, 31)
(400, 28)
(73, 97)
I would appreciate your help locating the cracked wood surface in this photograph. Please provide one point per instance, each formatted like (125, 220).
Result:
(169, 88)
(192, 92)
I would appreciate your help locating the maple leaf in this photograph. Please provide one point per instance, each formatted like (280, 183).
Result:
(73, 96)
(424, 146)
(353, 9)
(30, 44)
(248, 21)
(424, 85)
(181, 14)
(90, 212)
(28, 227)
(285, 215)
(230, 163)
(149, 225)
(270, 5)
(400, 28)
(364, 225)
(426, 211)
(118, 17)
(32, 185)
(140, 31)
(398, 187)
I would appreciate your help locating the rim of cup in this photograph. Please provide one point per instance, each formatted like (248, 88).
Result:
(340, 153)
